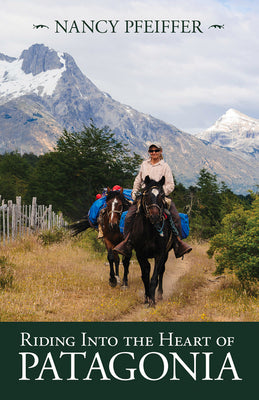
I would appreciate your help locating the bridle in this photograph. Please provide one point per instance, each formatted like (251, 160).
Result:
(115, 211)
(149, 206)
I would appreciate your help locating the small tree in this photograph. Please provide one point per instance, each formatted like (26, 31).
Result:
(206, 205)
(82, 164)
(236, 247)
(14, 174)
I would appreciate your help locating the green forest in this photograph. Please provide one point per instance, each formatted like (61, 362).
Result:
(83, 163)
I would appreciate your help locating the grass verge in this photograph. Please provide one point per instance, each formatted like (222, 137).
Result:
(63, 281)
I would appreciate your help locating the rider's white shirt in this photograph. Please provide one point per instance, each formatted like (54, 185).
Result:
(156, 172)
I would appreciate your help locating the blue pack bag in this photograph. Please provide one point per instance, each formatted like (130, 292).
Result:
(122, 221)
(185, 225)
(95, 210)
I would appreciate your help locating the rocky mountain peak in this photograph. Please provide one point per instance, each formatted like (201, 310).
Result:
(3, 57)
(40, 58)
(232, 118)
(236, 131)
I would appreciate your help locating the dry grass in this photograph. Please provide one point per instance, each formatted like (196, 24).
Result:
(68, 281)
(61, 282)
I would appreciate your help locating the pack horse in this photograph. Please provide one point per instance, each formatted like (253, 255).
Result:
(116, 204)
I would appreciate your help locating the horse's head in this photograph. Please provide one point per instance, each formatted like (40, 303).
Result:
(152, 199)
(115, 202)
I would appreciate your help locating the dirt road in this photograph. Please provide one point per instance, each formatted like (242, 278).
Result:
(175, 268)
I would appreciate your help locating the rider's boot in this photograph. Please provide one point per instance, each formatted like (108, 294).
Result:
(181, 248)
(124, 247)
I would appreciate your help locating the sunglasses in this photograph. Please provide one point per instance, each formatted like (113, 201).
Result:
(154, 151)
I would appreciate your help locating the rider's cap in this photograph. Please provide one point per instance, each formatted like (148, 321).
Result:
(116, 187)
(98, 196)
(155, 144)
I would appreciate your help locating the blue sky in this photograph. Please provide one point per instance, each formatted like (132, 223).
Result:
(188, 80)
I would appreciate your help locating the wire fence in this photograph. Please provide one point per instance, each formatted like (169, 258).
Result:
(17, 219)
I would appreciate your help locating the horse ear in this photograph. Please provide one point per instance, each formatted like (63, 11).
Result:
(121, 190)
(162, 181)
(147, 180)
(108, 189)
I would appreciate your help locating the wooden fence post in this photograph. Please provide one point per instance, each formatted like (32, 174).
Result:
(19, 219)
(33, 221)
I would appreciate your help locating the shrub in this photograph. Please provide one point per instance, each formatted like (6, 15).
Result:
(236, 247)
(96, 244)
(51, 236)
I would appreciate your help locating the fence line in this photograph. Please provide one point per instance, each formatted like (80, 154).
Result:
(17, 219)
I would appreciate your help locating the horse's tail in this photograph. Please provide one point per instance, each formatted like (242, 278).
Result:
(80, 226)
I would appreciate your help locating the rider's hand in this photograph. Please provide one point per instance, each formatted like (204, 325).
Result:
(134, 195)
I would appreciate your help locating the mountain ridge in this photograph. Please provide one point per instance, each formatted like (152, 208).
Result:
(54, 95)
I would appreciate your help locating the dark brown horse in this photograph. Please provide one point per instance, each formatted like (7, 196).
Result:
(115, 205)
(152, 237)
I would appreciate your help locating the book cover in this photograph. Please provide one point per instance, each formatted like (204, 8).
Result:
(156, 70)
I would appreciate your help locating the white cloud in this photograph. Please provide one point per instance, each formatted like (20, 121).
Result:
(186, 79)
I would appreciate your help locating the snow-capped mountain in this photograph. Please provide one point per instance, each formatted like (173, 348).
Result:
(235, 131)
(43, 92)
(19, 78)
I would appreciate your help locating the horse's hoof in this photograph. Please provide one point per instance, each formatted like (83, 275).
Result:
(113, 282)
(152, 303)
(124, 286)
(118, 279)
(159, 296)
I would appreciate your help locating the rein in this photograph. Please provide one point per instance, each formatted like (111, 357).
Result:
(158, 227)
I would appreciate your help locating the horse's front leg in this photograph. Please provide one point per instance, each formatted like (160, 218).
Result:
(160, 280)
(117, 264)
(126, 261)
(110, 257)
(158, 273)
(145, 270)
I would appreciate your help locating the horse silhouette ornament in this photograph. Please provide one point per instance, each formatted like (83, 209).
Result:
(216, 26)
(40, 26)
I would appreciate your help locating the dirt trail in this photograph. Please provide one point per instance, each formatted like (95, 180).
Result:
(175, 268)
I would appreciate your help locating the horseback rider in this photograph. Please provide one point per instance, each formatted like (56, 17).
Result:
(154, 167)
